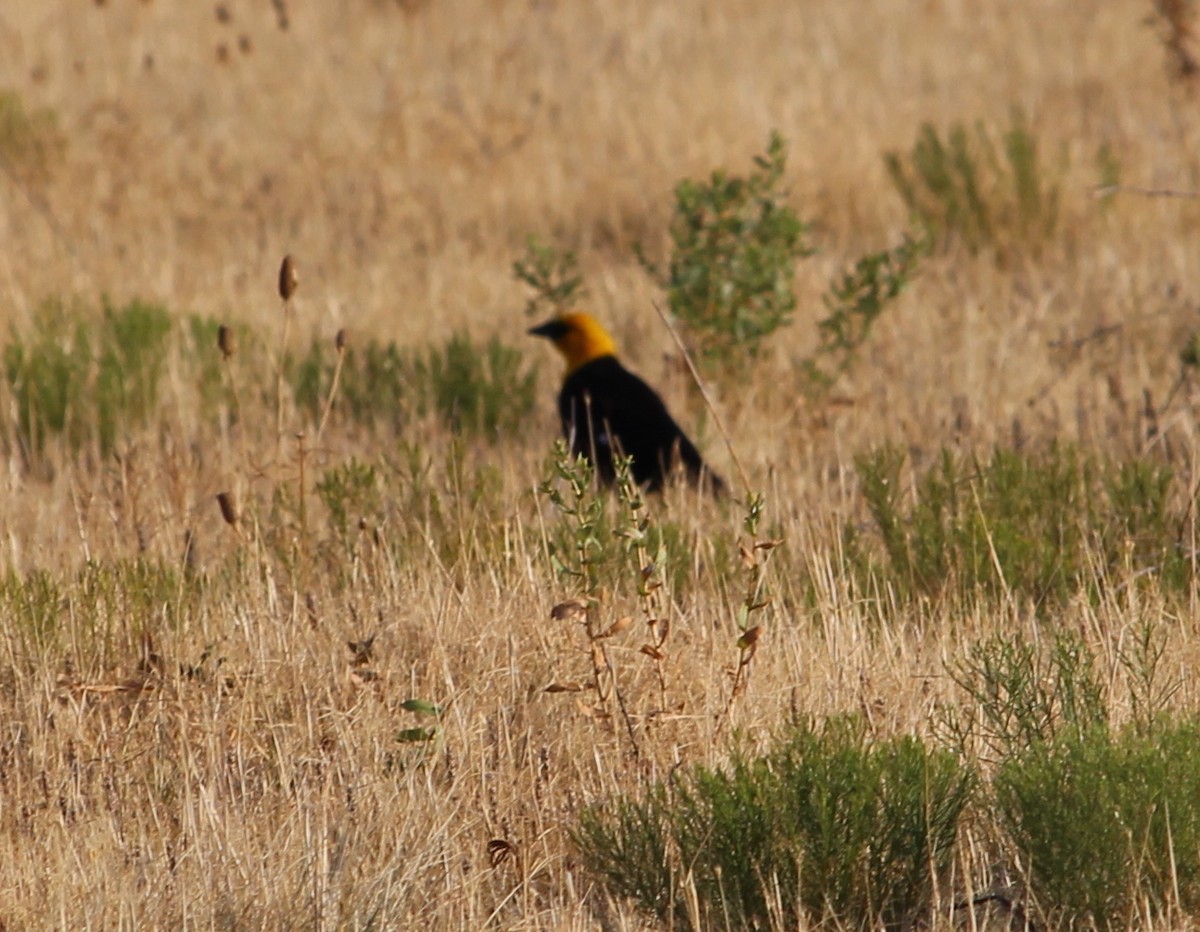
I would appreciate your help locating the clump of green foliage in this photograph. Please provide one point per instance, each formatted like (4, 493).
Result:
(553, 275)
(86, 380)
(1020, 694)
(964, 188)
(1103, 820)
(1037, 526)
(829, 826)
(1108, 824)
(854, 303)
(350, 492)
(475, 389)
(735, 243)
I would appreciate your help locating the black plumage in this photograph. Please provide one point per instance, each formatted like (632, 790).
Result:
(605, 408)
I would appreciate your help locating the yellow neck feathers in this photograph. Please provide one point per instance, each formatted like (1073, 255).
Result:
(579, 337)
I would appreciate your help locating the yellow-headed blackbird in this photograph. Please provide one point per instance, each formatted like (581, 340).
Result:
(604, 406)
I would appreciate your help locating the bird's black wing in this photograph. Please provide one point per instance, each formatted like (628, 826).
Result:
(603, 405)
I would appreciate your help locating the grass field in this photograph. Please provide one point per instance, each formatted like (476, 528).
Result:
(194, 733)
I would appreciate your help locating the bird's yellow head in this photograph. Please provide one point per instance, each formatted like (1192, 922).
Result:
(578, 336)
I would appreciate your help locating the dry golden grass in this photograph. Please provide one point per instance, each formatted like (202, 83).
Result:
(402, 152)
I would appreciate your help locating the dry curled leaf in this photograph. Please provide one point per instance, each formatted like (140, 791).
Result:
(564, 688)
(767, 544)
(750, 637)
(500, 851)
(568, 610)
(652, 652)
(362, 650)
(617, 626)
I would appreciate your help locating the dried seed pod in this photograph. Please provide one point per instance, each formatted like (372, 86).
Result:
(287, 278)
(228, 508)
(339, 341)
(225, 340)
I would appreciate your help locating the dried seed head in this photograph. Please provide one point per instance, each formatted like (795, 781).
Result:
(228, 508)
(287, 278)
(223, 14)
(339, 341)
(225, 340)
(245, 44)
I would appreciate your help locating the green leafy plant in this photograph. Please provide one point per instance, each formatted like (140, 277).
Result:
(854, 303)
(962, 190)
(1108, 824)
(553, 275)
(350, 492)
(483, 390)
(827, 825)
(1020, 695)
(478, 390)
(730, 276)
(86, 380)
(1041, 526)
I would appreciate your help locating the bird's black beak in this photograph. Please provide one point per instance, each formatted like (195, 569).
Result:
(552, 329)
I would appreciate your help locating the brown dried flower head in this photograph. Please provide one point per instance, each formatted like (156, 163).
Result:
(228, 508)
(287, 278)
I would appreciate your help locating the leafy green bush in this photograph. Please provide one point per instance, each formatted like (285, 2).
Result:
(1108, 825)
(733, 260)
(350, 492)
(1041, 526)
(827, 825)
(86, 381)
(481, 390)
(961, 189)
(1020, 695)
(553, 275)
(855, 302)
(476, 390)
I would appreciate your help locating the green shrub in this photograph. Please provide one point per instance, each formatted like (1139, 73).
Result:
(827, 825)
(350, 492)
(86, 381)
(963, 191)
(855, 302)
(1108, 825)
(554, 277)
(735, 243)
(1041, 526)
(1020, 695)
(473, 389)
(477, 390)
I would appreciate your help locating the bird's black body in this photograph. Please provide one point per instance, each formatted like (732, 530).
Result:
(605, 407)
